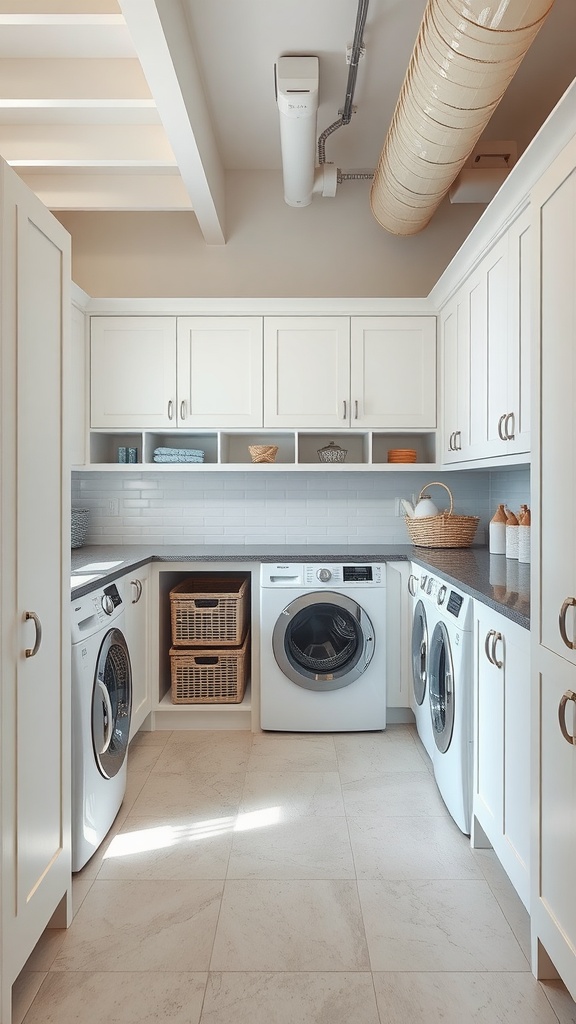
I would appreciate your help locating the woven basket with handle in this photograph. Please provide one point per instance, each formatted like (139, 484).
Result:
(446, 530)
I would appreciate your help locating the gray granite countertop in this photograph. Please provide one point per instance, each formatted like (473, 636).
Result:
(499, 582)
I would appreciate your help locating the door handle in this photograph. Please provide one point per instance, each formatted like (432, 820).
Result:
(509, 433)
(568, 603)
(569, 695)
(138, 585)
(412, 580)
(31, 652)
(107, 715)
(345, 409)
(501, 434)
(356, 409)
(170, 409)
(451, 442)
(494, 658)
(487, 652)
(458, 440)
(182, 410)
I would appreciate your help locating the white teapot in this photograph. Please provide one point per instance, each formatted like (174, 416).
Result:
(425, 507)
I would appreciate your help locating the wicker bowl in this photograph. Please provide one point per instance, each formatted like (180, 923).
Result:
(263, 452)
(445, 530)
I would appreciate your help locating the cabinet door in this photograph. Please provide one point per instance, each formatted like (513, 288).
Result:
(133, 372)
(455, 334)
(554, 906)
(77, 389)
(220, 371)
(489, 731)
(307, 371)
(393, 372)
(520, 286)
(555, 220)
(136, 628)
(34, 583)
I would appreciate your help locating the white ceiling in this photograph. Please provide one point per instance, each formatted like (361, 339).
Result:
(146, 104)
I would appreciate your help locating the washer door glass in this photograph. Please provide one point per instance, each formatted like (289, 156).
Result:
(419, 652)
(323, 641)
(441, 687)
(111, 704)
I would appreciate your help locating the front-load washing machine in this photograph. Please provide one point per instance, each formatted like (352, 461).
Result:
(101, 706)
(450, 679)
(323, 649)
(423, 617)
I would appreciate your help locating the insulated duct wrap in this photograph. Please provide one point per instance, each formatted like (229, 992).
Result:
(466, 54)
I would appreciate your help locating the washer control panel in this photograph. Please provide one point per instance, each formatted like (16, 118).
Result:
(337, 575)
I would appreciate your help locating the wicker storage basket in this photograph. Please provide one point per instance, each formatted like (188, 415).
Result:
(263, 452)
(209, 676)
(208, 613)
(446, 530)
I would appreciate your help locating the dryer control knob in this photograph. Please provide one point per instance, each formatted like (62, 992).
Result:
(324, 575)
(442, 594)
(107, 604)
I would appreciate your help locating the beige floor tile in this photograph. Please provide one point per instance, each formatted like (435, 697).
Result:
(437, 926)
(395, 794)
(129, 998)
(290, 926)
(292, 794)
(143, 757)
(145, 926)
(45, 950)
(188, 753)
(306, 848)
(145, 850)
(364, 756)
(24, 991)
(292, 753)
(411, 848)
(156, 738)
(560, 1000)
(91, 869)
(174, 799)
(289, 998)
(448, 998)
(80, 889)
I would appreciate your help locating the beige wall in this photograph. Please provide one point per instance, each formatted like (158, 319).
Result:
(332, 248)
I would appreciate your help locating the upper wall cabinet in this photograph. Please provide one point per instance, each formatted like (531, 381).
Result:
(330, 372)
(486, 354)
(160, 372)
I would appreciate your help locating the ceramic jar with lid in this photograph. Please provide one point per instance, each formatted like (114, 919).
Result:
(511, 534)
(524, 536)
(497, 532)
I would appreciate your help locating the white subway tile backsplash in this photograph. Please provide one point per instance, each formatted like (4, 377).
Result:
(280, 507)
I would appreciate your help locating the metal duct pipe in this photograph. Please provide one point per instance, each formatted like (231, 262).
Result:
(466, 54)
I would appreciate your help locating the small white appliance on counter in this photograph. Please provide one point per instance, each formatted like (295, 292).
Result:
(101, 707)
(323, 648)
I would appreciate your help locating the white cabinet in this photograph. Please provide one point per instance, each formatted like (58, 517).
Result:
(324, 372)
(219, 371)
(136, 596)
(501, 803)
(455, 335)
(133, 372)
(554, 568)
(34, 577)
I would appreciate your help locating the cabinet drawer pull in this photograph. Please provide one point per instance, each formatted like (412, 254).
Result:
(31, 652)
(138, 585)
(182, 410)
(569, 695)
(509, 432)
(493, 655)
(568, 603)
(458, 440)
(490, 633)
(501, 434)
(356, 409)
(412, 581)
(451, 442)
(170, 409)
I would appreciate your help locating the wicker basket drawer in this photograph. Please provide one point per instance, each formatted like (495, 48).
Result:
(209, 612)
(209, 676)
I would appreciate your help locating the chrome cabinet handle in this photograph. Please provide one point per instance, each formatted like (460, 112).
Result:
(345, 408)
(493, 656)
(569, 695)
(501, 434)
(491, 633)
(138, 585)
(568, 603)
(182, 410)
(412, 581)
(509, 432)
(458, 440)
(31, 652)
(170, 409)
(356, 409)
(451, 441)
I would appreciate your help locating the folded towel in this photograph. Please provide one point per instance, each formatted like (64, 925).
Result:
(179, 458)
(179, 451)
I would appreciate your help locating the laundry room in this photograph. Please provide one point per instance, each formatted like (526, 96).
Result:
(288, 574)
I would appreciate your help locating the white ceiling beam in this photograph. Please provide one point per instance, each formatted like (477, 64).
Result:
(99, 192)
(99, 78)
(96, 144)
(162, 40)
(65, 35)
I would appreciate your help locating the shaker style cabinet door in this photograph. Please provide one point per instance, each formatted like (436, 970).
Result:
(135, 594)
(393, 372)
(307, 371)
(133, 372)
(220, 371)
(455, 339)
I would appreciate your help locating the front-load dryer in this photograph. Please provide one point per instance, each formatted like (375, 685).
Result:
(423, 616)
(101, 706)
(323, 649)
